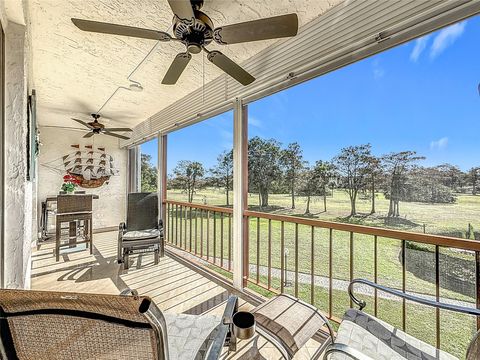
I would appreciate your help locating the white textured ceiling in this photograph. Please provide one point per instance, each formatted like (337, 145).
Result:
(74, 72)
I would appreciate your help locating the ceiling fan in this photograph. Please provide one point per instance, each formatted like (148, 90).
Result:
(195, 30)
(96, 127)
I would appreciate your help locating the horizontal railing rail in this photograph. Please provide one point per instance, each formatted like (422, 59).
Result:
(447, 241)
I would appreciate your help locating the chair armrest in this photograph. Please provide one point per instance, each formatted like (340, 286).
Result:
(345, 350)
(160, 224)
(361, 304)
(122, 227)
(224, 335)
(128, 292)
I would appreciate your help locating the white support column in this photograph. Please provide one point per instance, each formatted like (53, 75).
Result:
(162, 174)
(240, 188)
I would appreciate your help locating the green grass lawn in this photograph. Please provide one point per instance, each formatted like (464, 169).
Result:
(447, 219)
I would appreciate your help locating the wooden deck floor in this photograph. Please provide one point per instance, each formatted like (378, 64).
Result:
(175, 287)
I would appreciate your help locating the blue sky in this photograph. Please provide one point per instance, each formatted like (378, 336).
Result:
(422, 95)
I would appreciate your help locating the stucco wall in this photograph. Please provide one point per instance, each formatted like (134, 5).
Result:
(109, 209)
(19, 193)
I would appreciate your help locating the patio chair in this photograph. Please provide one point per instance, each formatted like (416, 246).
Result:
(143, 231)
(77, 212)
(60, 325)
(288, 323)
(363, 337)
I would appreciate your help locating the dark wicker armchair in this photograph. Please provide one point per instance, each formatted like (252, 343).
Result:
(60, 326)
(143, 231)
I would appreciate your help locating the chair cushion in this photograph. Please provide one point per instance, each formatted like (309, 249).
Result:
(290, 319)
(187, 333)
(141, 234)
(380, 340)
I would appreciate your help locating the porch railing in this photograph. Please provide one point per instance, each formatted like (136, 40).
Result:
(204, 231)
(315, 260)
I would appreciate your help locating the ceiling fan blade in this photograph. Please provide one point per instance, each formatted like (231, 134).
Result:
(115, 135)
(117, 129)
(183, 10)
(83, 123)
(63, 128)
(114, 29)
(263, 29)
(176, 68)
(230, 67)
(88, 135)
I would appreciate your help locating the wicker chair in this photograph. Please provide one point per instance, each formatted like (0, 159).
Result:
(364, 337)
(74, 210)
(143, 230)
(59, 325)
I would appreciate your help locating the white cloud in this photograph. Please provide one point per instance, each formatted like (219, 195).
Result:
(378, 71)
(439, 144)
(420, 45)
(254, 122)
(446, 37)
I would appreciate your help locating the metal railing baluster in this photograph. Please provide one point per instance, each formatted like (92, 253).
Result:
(330, 273)
(375, 274)
(437, 295)
(312, 266)
(296, 260)
(258, 250)
(221, 240)
(229, 242)
(282, 256)
(214, 237)
(269, 279)
(351, 261)
(404, 277)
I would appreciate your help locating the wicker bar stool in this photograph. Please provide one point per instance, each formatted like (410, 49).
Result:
(76, 210)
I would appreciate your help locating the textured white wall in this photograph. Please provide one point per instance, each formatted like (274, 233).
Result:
(19, 227)
(109, 209)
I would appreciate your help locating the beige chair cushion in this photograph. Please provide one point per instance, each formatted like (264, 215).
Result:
(379, 340)
(141, 234)
(293, 321)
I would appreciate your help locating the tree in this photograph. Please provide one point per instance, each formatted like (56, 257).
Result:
(396, 167)
(473, 178)
(324, 171)
(374, 171)
(309, 185)
(352, 166)
(263, 166)
(450, 176)
(187, 177)
(292, 161)
(148, 174)
(427, 184)
(223, 172)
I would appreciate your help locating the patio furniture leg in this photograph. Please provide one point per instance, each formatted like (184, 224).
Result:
(72, 234)
(85, 232)
(125, 259)
(90, 234)
(156, 256)
(58, 232)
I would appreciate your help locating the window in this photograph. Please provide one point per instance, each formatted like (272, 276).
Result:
(148, 165)
(200, 162)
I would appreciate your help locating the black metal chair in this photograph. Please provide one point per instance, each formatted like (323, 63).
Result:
(361, 336)
(143, 231)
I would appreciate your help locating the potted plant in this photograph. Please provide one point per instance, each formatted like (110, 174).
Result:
(69, 183)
